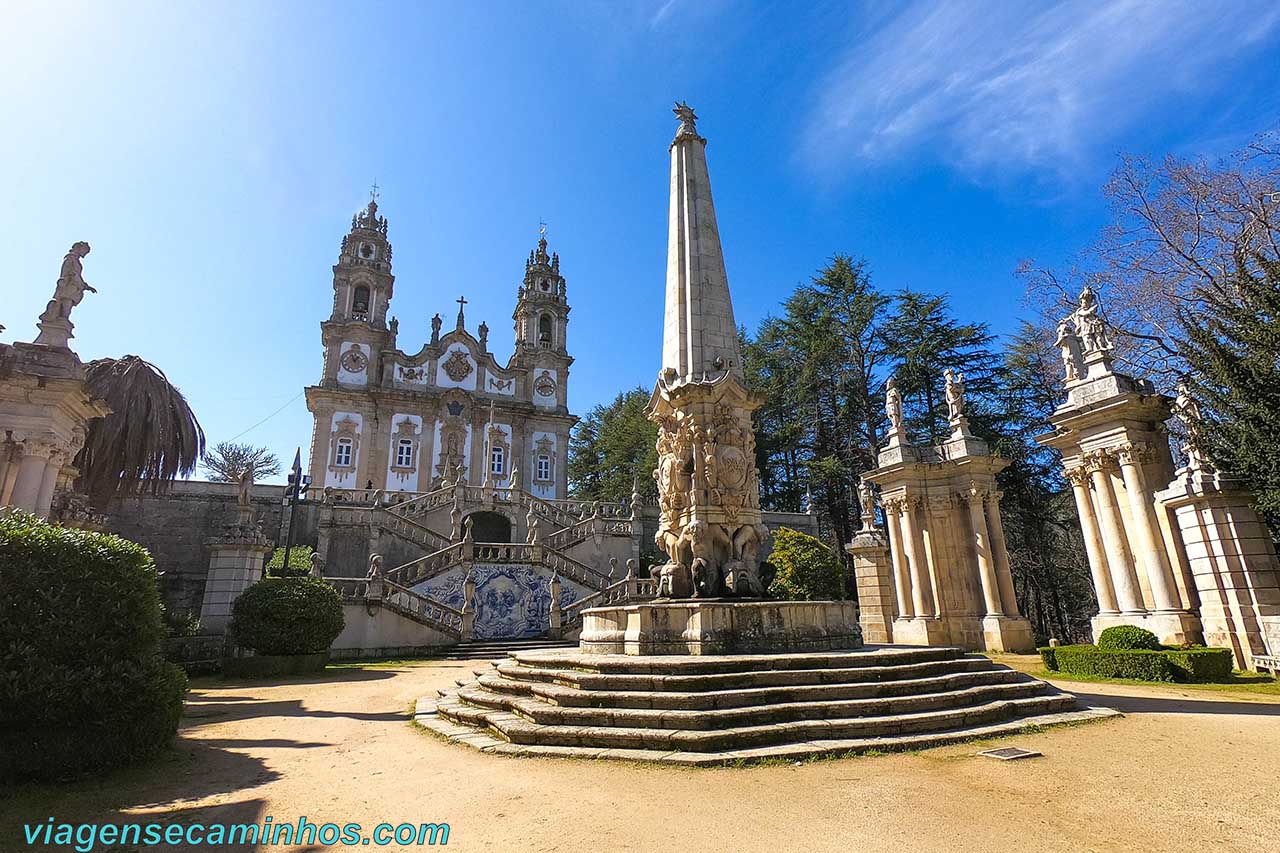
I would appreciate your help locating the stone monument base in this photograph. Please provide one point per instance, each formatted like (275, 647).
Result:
(1173, 629)
(720, 627)
(920, 631)
(1007, 634)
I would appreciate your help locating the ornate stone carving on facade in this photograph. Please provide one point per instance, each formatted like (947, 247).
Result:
(544, 448)
(1187, 411)
(867, 502)
(347, 428)
(458, 366)
(954, 393)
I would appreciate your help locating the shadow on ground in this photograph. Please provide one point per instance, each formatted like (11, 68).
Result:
(1175, 704)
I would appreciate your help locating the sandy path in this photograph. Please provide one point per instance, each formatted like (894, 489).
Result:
(1185, 769)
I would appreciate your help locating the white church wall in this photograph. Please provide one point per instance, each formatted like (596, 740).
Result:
(503, 387)
(404, 479)
(344, 425)
(438, 450)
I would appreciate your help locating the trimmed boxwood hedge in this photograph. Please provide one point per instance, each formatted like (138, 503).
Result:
(83, 682)
(1186, 665)
(287, 616)
(1128, 637)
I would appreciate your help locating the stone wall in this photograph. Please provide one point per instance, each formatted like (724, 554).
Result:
(174, 526)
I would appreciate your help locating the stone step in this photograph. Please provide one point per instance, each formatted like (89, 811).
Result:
(512, 728)
(536, 711)
(558, 694)
(518, 670)
(426, 717)
(721, 664)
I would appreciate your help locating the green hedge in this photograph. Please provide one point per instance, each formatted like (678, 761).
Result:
(83, 682)
(299, 562)
(1186, 665)
(1048, 656)
(1119, 638)
(287, 616)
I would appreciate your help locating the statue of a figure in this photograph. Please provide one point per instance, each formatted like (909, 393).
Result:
(1069, 342)
(484, 336)
(375, 567)
(867, 500)
(515, 477)
(893, 405)
(534, 526)
(71, 285)
(1187, 410)
(955, 395)
(317, 565)
(244, 494)
(395, 325)
(435, 329)
(1089, 323)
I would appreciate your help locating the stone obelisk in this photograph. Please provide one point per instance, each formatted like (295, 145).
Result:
(710, 526)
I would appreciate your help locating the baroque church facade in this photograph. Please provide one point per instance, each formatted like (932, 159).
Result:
(410, 421)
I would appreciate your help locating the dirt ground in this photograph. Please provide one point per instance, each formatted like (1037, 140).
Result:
(1185, 769)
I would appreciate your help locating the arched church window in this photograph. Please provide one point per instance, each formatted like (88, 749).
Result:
(360, 303)
(544, 331)
(497, 461)
(543, 470)
(342, 455)
(404, 453)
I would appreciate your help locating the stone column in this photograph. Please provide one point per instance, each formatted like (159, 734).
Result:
(1147, 543)
(902, 579)
(1000, 551)
(913, 539)
(26, 488)
(1123, 574)
(1102, 587)
(13, 457)
(982, 548)
(49, 481)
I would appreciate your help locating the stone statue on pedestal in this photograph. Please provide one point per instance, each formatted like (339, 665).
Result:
(55, 322)
(1069, 343)
(1187, 410)
(1089, 322)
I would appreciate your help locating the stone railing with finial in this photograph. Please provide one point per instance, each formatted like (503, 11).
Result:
(629, 589)
(382, 592)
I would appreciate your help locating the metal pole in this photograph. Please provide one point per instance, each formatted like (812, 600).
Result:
(288, 539)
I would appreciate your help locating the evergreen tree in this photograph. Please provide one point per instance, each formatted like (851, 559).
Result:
(924, 339)
(613, 446)
(1234, 345)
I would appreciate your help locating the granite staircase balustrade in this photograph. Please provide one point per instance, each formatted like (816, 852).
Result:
(723, 709)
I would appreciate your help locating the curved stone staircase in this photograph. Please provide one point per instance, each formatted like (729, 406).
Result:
(716, 710)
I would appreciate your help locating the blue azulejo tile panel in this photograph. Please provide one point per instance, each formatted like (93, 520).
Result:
(511, 600)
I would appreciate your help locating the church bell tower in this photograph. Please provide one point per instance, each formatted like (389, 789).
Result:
(357, 330)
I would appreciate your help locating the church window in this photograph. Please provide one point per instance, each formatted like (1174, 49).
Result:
(404, 453)
(497, 461)
(544, 331)
(342, 455)
(544, 467)
(360, 303)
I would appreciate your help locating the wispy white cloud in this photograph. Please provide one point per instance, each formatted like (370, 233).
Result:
(1024, 85)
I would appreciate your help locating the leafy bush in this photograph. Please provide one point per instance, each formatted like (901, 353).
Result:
(299, 562)
(1186, 665)
(1049, 657)
(1127, 638)
(806, 568)
(287, 616)
(83, 684)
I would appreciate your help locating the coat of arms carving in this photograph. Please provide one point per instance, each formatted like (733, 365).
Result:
(458, 366)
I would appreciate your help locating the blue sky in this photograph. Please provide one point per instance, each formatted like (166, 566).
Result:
(213, 154)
